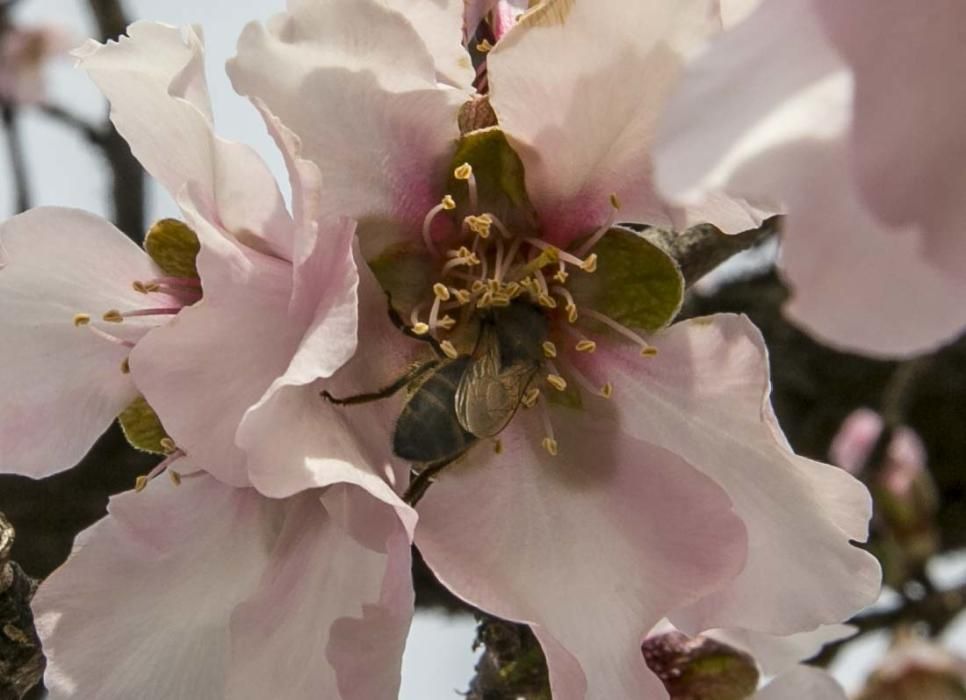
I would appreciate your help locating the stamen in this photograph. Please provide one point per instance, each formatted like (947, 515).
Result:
(590, 263)
(155, 284)
(585, 346)
(125, 366)
(559, 254)
(142, 481)
(480, 225)
(463, 296)
(599, 233)
(107, 336)
(549, 442)
(548, 256)
(497, 445)
(647, 350)
(557, 382)
(420, 328)
(561, 274)
(549, 349)
(530, 397)
(571, 307)
(484, 46)
(115, 316)
(168, 445)
(449, 349)
(446, 322)
(465, 172)
(607, 390)
(441, 291)
(498, 265)
(504, 231)
(81, 320)
(511, 255)
(446, 204)
(175, 477)
(469, 260)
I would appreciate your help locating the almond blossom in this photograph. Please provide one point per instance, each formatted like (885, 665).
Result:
(868, 174)
(645, 475)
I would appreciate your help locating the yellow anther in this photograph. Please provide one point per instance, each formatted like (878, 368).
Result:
(571, 313)
(81, 319)
(420, 328)
(648, 351)
(471, 260)
(448, 203)
(586, 346)
(140, 483)
(175, 477)
(530, 397)
(549, 349)
(557, 382)
(550, 445)
(614, 201)
(513, 290)
(463, 296)
(460, 252)
(499, 299)
(480, 225)
(607, 390)
(113, 316)
(561, 276)
(144, 288)
(546, 300)
(590, 263)
(449, 349)
(463, 172)
(168, 445)
(477, 287)
(446, 322)
(125, 366)
(441, 291)
(484, 46)
(497, 446)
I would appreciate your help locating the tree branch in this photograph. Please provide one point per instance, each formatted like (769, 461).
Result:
(21, 659)
(18, 163)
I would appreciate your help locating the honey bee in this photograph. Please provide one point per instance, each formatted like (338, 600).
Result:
(453, 403)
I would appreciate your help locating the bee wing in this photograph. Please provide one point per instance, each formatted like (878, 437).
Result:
(488, 395)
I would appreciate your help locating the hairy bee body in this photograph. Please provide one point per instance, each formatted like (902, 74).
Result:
(427, 429)
(473, 396)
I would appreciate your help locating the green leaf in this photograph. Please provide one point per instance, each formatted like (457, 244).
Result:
(142, 427)
(496, 166)
(636, 283)
(174, 247)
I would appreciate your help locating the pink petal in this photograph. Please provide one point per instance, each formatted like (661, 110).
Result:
(802, 683)
(152, 588)
(62, 385)
(440, 26)
(906, 151)
(154, 79)
(324, 443)
(579, 99)
(206, 591)
(375, 123)
(783, 135)
(205, 369)
(591, 547)
(704, 397)
(333, 609)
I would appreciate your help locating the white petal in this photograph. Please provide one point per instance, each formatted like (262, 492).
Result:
(62, 385)
(440, 26)
(802, 683)
(590, 547)
(579, 94)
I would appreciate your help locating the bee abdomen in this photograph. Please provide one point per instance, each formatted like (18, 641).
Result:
(427, 429)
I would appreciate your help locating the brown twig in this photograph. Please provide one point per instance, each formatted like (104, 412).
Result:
(21, 659)
(18, 163)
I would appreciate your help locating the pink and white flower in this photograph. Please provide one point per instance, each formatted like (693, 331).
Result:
(798, 105)
(637, 487)
(209, 591)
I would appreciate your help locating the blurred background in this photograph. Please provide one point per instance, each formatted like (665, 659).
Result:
(907, 442)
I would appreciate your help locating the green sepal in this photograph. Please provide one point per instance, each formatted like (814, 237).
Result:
(636, 283)
(496, 166)
(142, 427)
(174, 247)
(405, 271)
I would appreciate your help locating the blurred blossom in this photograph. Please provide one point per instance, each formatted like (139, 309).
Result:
(24, 52)
(862, 170)
(905, 493)
(917, 669)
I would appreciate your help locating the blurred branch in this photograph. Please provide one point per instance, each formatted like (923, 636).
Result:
(128, 190)
(73, 121)
(702, 248)
(21, 659)
(18, 164)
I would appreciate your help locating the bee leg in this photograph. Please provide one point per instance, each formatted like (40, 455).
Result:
(398, 322)
(387, 391)
(419, 485)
